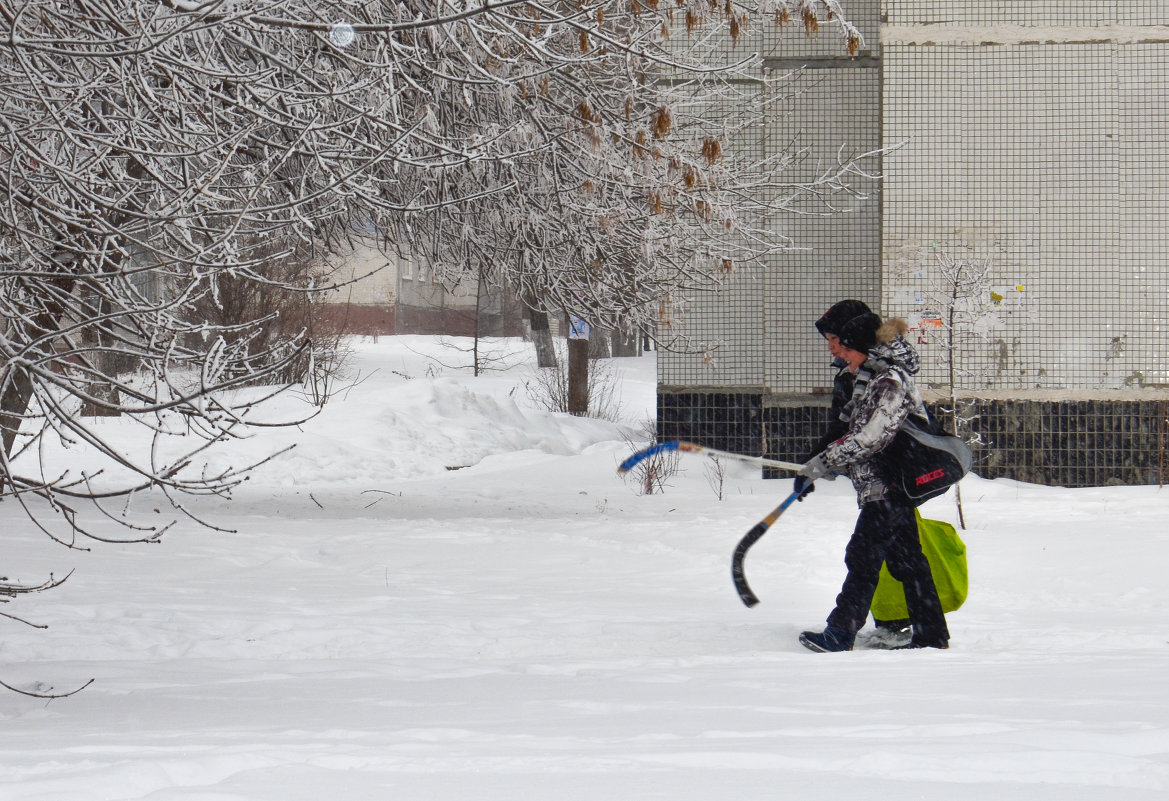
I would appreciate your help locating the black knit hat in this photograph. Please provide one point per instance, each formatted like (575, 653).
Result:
(833, 320)
(860, 333)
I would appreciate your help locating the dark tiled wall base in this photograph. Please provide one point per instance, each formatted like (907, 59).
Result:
(729, 421)
(791, 433)
(1057, 443)
(1072, 443)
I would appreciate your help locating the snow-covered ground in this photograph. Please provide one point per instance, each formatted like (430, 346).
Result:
(529, 627)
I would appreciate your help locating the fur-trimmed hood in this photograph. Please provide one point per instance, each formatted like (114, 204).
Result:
(894, 349)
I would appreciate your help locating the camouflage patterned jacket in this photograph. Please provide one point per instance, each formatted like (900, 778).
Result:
(883, 396)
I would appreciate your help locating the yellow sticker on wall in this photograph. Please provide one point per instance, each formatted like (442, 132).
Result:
(1000, 293)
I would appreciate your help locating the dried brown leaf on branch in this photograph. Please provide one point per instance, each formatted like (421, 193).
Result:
(586, 113)
(662, 123)
(738, 27)
(640, 144)
(712, 150)
(811, 23)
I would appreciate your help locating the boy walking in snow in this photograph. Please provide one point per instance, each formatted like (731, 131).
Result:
(883, 397)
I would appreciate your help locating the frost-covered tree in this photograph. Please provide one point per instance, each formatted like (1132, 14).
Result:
(152, 156)
(963, 313)
(632, 172)
(155, 155)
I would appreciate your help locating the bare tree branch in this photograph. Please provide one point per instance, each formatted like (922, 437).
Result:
(177, 178)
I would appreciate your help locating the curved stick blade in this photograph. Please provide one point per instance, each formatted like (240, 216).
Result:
(750, 538)
(748, 597)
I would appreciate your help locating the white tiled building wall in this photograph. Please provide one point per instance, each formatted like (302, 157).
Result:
(1029, 137)
(1046, 155)
(758, 334)
(836, 256)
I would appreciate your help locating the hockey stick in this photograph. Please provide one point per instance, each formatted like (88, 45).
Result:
(757, 531)
(745, 595)
(691, 447)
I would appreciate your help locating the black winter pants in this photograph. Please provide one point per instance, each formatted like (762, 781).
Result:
(887, 532)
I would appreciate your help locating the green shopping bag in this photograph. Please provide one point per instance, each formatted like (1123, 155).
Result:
(946, 553)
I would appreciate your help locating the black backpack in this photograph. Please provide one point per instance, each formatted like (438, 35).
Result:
(924, 461)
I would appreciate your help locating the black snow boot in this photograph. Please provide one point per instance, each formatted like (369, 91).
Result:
(830, 640)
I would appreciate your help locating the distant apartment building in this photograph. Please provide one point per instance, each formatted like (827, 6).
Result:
(382, 293)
